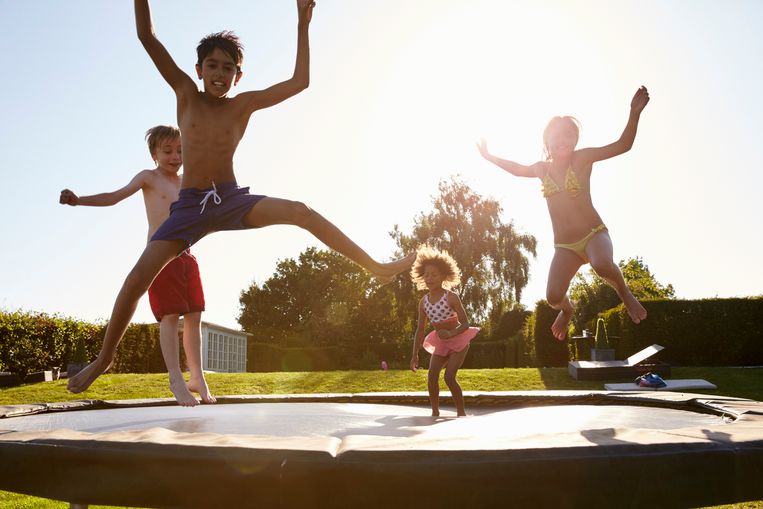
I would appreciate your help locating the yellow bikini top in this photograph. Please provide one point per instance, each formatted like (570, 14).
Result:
(571, 184)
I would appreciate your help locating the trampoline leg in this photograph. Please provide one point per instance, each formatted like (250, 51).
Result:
(72, 505)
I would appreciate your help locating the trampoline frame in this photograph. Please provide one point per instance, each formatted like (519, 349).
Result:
(599, 468)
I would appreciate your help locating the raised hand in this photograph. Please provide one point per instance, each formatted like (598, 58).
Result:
(305, 9)
(482, 147)
(68, 198)
(640, 99)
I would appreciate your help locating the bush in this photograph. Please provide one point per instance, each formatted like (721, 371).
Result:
(264, 357)
(710, 332)
(510, 324)
(486, 354)
(32, 342)
(550, 353)
(140, 350)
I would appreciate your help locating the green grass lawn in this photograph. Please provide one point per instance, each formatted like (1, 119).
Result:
(738, 382)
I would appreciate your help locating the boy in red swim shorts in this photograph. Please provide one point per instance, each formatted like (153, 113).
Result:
(177, 290)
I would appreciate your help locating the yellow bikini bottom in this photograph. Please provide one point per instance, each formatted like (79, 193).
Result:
(579, 247)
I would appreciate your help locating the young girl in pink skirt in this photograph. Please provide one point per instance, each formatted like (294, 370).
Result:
(448, 343)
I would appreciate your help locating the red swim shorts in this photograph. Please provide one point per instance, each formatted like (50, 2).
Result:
(177, 289)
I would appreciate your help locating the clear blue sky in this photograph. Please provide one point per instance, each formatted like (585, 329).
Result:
(400, 91)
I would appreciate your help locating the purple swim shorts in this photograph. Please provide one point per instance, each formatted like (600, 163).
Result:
(198, 212)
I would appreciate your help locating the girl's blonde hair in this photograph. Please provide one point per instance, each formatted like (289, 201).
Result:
(555, 123)
(427, 255)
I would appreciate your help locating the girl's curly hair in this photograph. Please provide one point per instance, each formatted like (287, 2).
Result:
(427, 255)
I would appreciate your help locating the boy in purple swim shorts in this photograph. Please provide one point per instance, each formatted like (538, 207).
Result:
(212, 125)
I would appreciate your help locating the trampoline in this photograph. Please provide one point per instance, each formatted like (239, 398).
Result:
(540, 448)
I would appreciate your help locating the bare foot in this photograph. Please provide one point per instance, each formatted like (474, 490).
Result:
(199, 386)
(181, 392)
(82, 380)
(561, 324)
(388, 271)
(635, 310)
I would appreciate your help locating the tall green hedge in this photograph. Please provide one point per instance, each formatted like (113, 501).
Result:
(263, 357)
(33, 341)
(710, 332)
(549, 352)
(140, 350)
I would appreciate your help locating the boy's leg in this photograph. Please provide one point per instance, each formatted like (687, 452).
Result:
(599, 251)
(154, 258)
(192, 346)
(433, 382)
(455, 361)
(564, 266)
(271, 211)
(168, 337)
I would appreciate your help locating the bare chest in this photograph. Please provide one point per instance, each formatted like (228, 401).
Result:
(159, 196)
(208, 126)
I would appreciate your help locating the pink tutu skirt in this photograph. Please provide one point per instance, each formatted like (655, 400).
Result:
(444, 347)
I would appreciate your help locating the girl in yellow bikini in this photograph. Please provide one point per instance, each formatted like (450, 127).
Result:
(580, 236)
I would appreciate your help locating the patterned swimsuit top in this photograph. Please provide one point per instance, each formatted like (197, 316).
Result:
(440, 311)
(571, 184)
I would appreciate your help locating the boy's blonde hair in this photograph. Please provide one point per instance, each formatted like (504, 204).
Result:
(427, 255)
(158, 135)
(559, 122)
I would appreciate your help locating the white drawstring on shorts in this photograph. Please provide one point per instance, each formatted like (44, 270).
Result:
(213, 194)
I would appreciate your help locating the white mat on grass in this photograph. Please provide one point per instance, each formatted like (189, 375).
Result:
(673, 385)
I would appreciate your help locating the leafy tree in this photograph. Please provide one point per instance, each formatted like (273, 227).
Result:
(592, 295)
(311, 300)
(323, 298)
(507, 323)
(491, 254)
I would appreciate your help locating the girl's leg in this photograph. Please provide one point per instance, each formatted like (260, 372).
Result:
(272, 211)
(192, 346)
(599, 251)
(168, 338)
(455, 360)
(156, 255)
(433, 382)
(564, 265)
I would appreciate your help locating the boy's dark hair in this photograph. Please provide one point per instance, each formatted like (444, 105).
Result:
(227, 41)
(159, 134)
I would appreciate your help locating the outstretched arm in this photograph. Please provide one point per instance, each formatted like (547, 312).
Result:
(418, 338)
(455, 303)
(517, 169)
(177, 79)
(104, 199)
(624, 144)
(279, 92)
